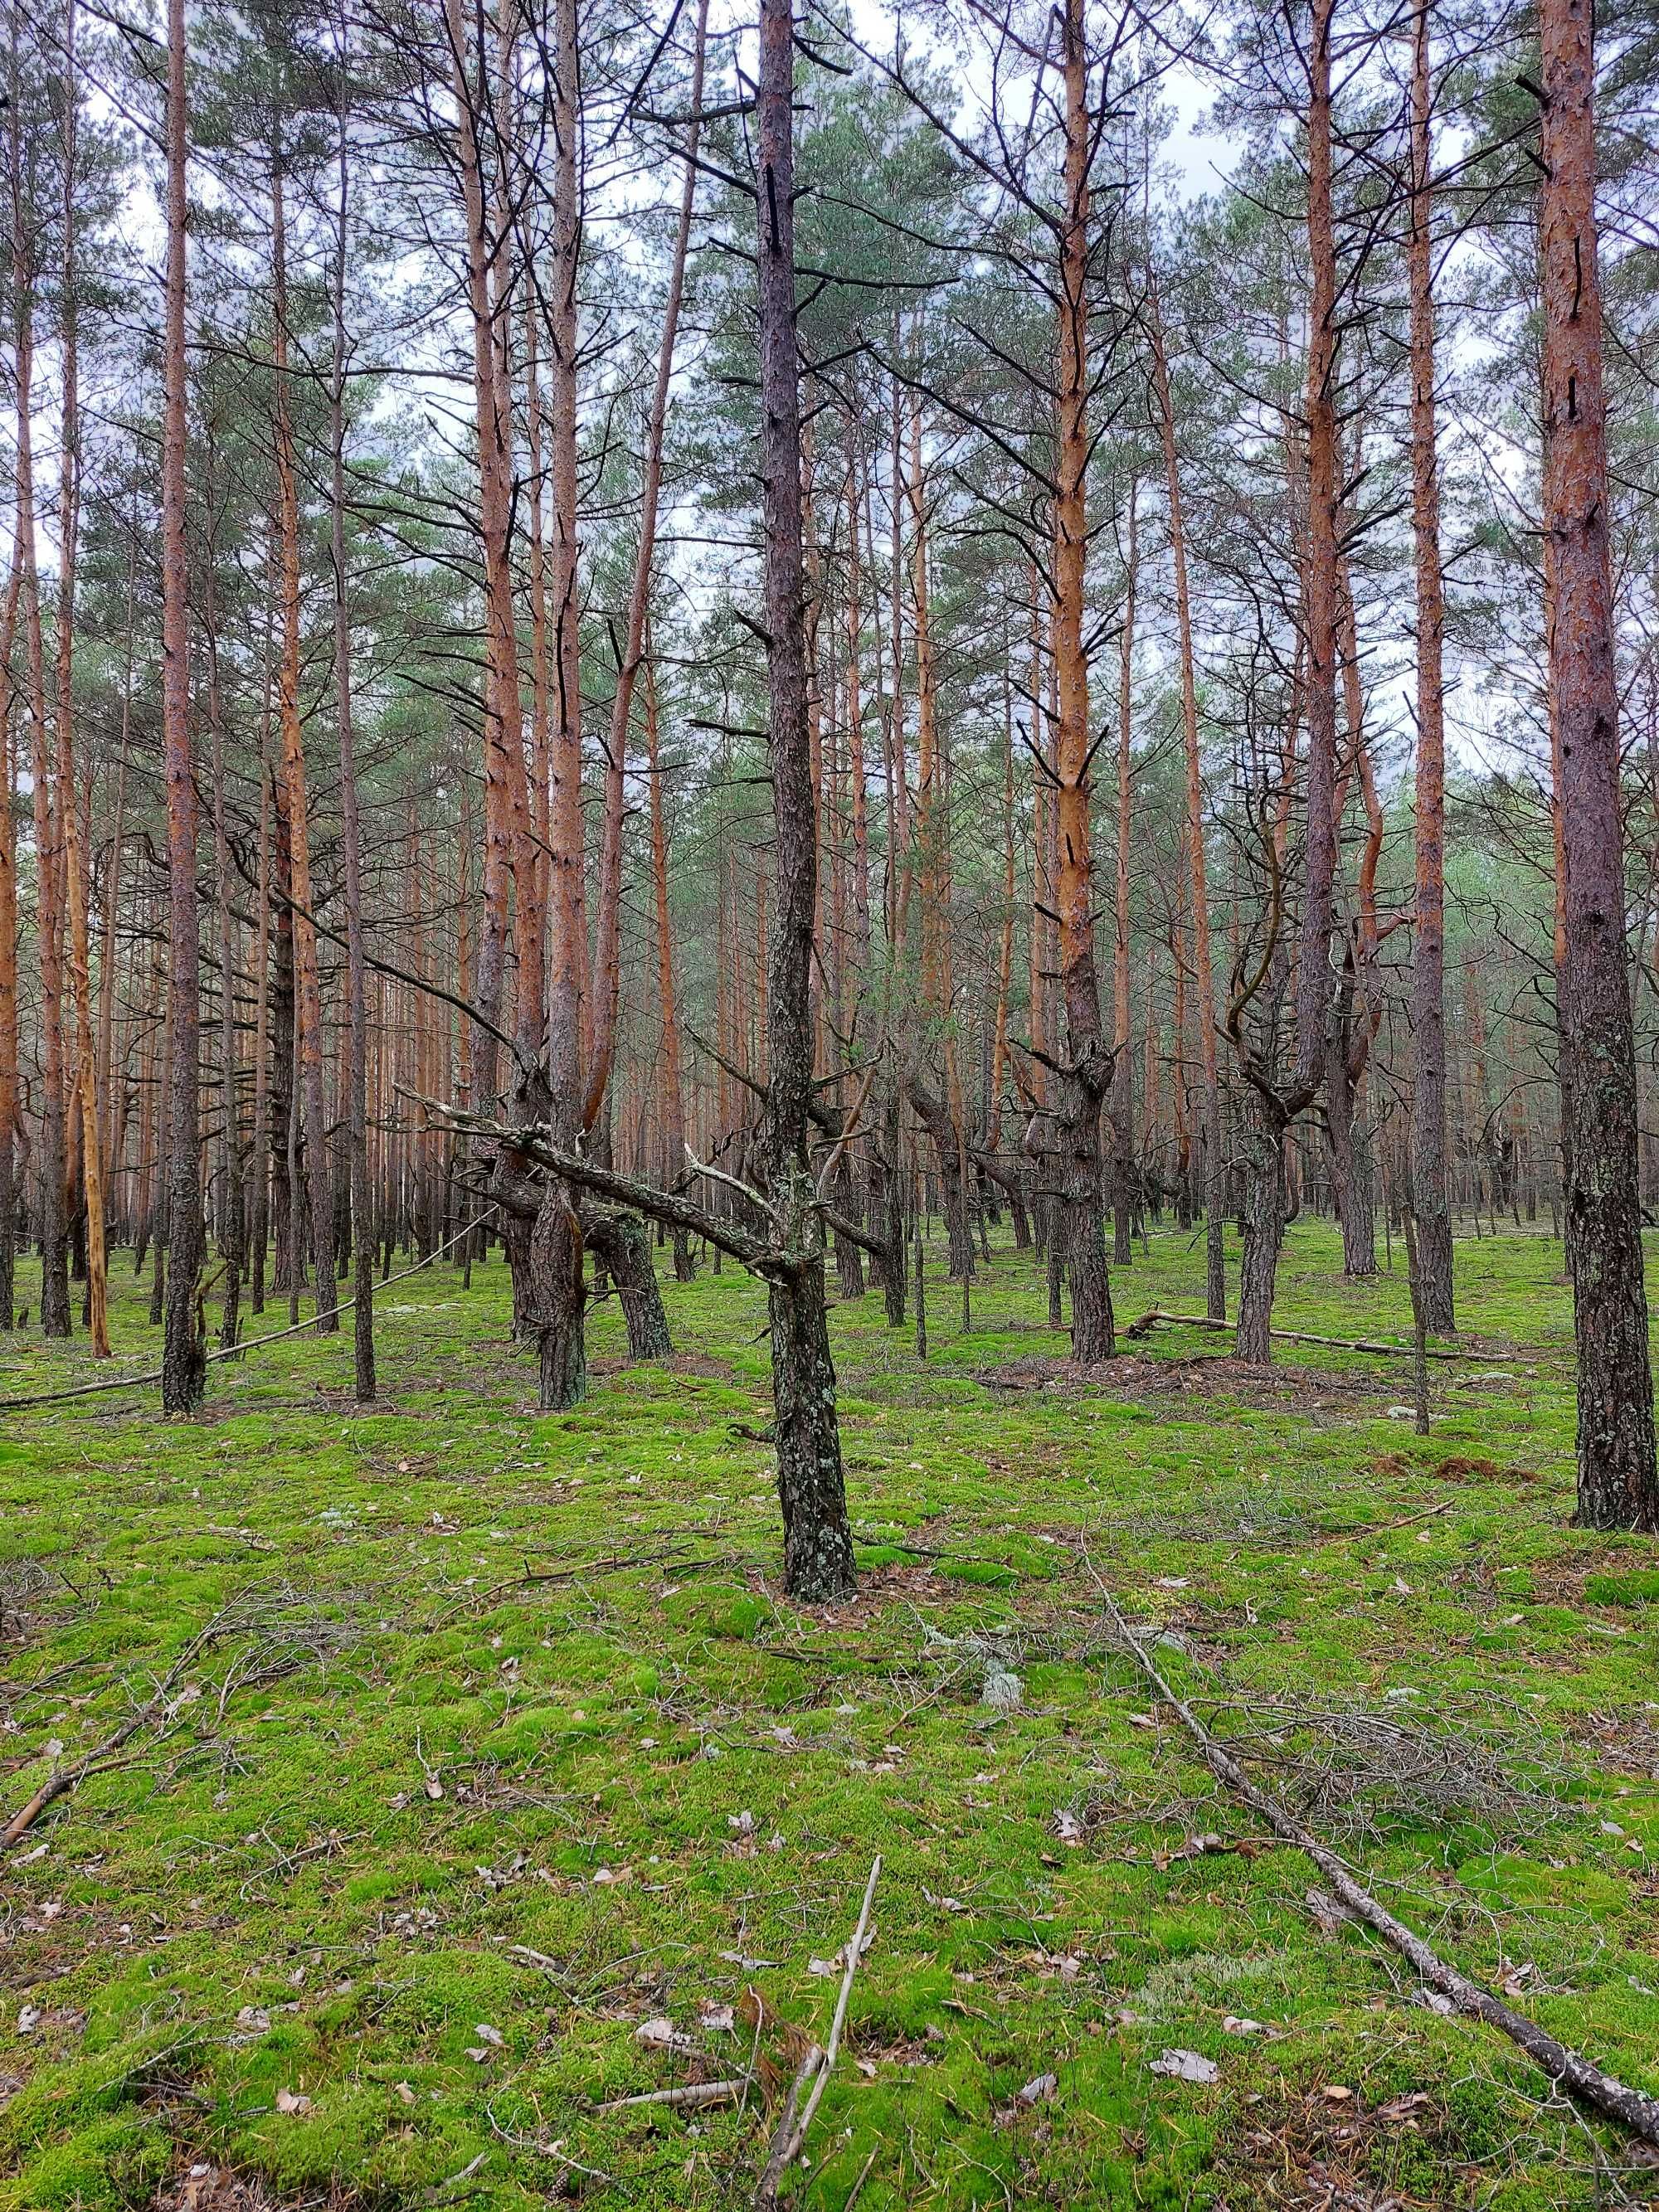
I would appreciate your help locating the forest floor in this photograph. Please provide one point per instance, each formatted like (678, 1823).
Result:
(507, 1784)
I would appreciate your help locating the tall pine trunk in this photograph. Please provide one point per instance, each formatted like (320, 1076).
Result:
(817, 1538)
(1214, 1189)
(75, 867)
(1430, 1198)
(183, 1356)
(1088, 1065)
(308, 984)
(356, 1084)
(1618, 1487)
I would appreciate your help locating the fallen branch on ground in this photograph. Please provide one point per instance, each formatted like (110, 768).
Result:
(235, 1351)
(791, 2137)
(1386, 1528)
(1149, 1321)
(692, 2092)
(515, 2140)
(1631, 2108)
(62, 1779)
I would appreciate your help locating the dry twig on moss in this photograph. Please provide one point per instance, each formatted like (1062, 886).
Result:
(1568, 2069)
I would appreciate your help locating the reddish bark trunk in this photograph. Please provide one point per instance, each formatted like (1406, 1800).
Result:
(1618, 1487)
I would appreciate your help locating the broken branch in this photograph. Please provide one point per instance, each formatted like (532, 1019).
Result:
(1566, 2068)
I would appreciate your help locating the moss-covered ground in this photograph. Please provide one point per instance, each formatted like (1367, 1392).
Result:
(507, 1746)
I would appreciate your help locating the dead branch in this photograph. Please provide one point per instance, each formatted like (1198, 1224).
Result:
(1149, 1321)
(62, 1779)
(791, 2137)
(1567, 2068)
(692, 2092)
(531, 1141)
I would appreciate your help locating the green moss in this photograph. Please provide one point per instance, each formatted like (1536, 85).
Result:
(1640, 1587)
(464, 1800)
(984, 1572)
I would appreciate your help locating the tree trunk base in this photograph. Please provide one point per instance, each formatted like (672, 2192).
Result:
(818, 1539)
(555, 1286)
(624, 1242)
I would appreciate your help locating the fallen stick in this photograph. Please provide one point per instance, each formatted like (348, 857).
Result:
(1631, 2108)
(1387, 1527)
(692, 2092)
(791, 2137)
(857, 2190)
(779, 2154)
(1149, 1321)
(62, 1779)
(516, 2141)
(134, 1383)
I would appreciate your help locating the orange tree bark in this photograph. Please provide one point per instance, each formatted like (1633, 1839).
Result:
(1617, 1484)
(46, 803)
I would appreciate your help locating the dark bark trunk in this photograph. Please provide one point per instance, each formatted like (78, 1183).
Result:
(849, 1261)
(624, 1242)
(887, 1207)
(554, 1258)
(1431, 1204)
(355, 1184)
(1348, 1157)
(184, 1355)
(1264, 1232)
(1088, 1071)
(1082, 1088)
(811, 1486)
